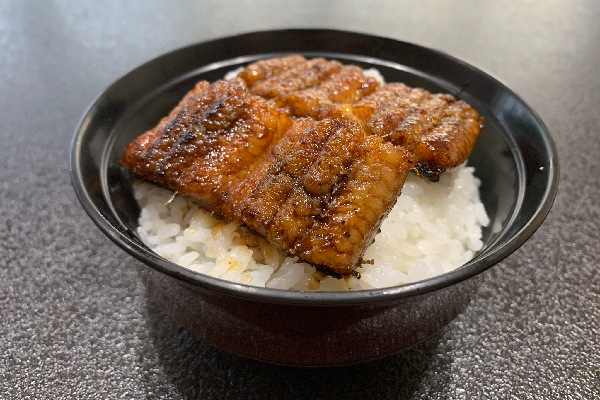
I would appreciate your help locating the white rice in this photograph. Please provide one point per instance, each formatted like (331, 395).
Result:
(234, 73)
(374, 73)
(433, 229)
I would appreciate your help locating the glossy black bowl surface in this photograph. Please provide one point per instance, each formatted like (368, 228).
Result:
(515, 159)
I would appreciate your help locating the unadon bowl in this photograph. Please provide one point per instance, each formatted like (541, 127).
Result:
(515, 159)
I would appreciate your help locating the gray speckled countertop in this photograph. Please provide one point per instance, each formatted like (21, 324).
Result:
(74, 318)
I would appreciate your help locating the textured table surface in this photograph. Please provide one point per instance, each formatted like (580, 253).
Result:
(74, 318)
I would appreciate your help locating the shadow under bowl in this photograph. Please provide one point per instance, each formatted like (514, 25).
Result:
(514, 158)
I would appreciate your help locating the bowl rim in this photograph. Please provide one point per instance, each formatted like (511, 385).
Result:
(478, 264)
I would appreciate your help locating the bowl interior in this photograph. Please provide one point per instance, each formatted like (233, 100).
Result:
(514, 157)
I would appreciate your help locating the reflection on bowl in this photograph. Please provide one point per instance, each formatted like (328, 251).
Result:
(514, 158)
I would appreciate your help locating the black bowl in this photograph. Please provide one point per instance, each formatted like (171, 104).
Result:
(515, 159)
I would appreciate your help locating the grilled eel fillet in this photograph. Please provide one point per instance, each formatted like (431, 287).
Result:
(214, 137)
(310, 154)
(322, 192)
(438, 130)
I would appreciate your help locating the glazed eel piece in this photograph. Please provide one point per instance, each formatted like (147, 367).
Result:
(212, 139)
(322, 192)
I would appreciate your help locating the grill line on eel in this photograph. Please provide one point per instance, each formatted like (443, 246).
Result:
(310, 154)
